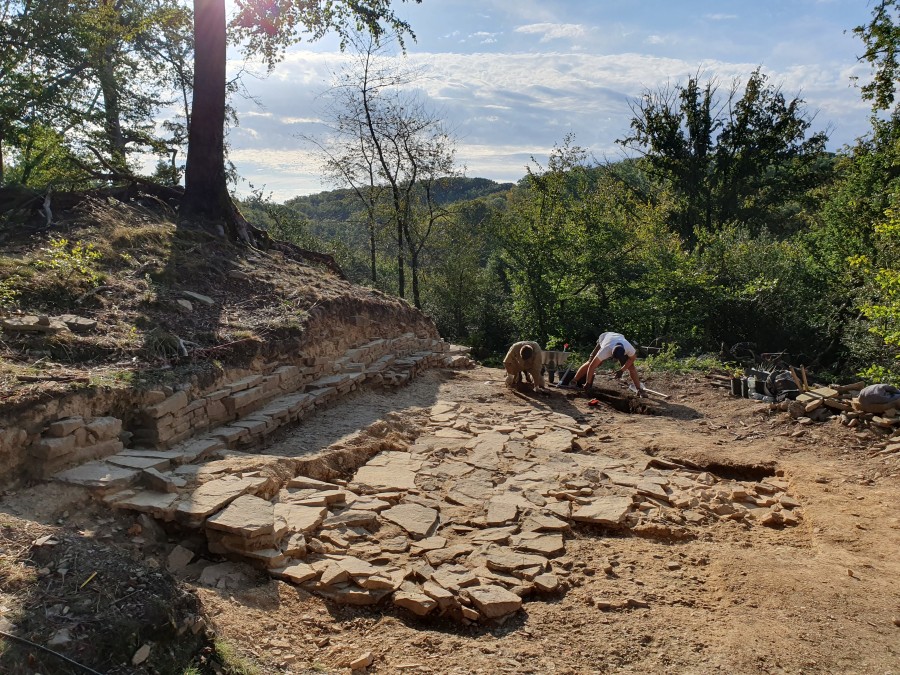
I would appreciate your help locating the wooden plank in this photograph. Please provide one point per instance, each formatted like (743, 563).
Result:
(796, 379)
(807, 397)
(805, 383)
(844, 388)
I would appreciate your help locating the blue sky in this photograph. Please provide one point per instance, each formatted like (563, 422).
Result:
(513, 77)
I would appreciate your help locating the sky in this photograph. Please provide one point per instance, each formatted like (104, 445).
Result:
(512, 78)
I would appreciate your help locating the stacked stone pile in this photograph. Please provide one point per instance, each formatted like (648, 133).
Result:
(76, 439)
(466, 522)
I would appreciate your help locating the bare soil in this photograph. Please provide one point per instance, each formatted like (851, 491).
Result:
(821, 597)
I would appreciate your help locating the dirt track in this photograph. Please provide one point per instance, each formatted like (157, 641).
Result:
(821, 597)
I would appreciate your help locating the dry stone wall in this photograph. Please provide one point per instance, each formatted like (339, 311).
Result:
(343, 347)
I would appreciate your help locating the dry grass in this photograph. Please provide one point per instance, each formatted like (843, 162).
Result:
(128, 267)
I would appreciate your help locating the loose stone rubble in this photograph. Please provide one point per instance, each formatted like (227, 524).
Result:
(466, 522)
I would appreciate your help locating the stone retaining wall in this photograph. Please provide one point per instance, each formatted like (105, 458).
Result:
(336, 355)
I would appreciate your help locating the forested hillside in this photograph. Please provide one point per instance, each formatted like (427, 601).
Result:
(731, 220)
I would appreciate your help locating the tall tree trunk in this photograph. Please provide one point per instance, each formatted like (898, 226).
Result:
(112, 112)
(372, 259)
(401, 279)
(206, 200)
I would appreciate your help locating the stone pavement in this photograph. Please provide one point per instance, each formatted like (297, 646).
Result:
(465, 522)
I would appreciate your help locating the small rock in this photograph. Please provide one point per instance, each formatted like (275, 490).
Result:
(141, 655)
(362, 661)
(59, 638)
(179, 558)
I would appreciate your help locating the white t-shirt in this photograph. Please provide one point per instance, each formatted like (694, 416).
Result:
(608, 343)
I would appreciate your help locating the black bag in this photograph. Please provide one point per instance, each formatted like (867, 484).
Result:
(781, 385)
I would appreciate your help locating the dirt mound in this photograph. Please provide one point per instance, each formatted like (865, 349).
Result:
(74, 599)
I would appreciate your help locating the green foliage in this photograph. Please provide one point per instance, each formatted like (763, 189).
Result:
(67, 260)
(232, 662)
(881, 37)
(730, 158)
(668, 361)
(82, 83)
(8, 293)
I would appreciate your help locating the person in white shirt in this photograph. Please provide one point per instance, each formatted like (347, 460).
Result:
(610, 345)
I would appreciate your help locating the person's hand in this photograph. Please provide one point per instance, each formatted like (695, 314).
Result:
(618, 374)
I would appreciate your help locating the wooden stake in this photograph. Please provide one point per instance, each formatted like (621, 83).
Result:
(805, 383)
(796, 379)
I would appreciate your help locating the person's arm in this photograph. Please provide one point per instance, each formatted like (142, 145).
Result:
(626, 366)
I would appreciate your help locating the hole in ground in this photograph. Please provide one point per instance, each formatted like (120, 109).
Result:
(728, 471)
(622, 402)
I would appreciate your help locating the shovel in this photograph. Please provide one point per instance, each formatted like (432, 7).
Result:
(633, 390)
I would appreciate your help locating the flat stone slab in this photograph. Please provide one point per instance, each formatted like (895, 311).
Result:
(158, 504)
(417, 603)
(494, 601)
(304, 483)
(604, 511)
(98, 475)
(393, 477)
(304, 519)
(507, 560)
(554, 441)
(214, 495)
(138, 462)
(501, 512)
(550, 545)
(171, 455)
(296, 573)
(417, 520)
(351, 518)
(247, 516)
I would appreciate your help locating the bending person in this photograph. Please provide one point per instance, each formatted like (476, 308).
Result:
(611, 345)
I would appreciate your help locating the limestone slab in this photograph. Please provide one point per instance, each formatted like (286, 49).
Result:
(157, 504)
(133, 462)
(610, 510)
(216, 494)
(549, 545)
(417, 603)
(98, 475)
(554, 441)
(351, 518)
(247, 516)
(508, 560)
(417, 520)
(296, 573)
(389, 477)
(298, 518)
(494, 601)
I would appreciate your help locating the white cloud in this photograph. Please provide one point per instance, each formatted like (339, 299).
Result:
(655, 40)
(720, 17)
(554, 31)
(506, 107)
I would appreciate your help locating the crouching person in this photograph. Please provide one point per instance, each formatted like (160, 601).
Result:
(524, 357)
